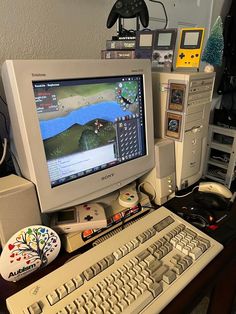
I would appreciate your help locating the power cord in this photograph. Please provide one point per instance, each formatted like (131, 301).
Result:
(180, 196)
(153, 195)
(4, 144)
(164, 9)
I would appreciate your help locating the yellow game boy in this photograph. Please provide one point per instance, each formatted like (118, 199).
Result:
(190, 48)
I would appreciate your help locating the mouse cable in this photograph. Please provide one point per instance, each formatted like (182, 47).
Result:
(4, 144)
(179, 196)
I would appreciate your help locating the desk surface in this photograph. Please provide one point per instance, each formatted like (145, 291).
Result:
(217, 275)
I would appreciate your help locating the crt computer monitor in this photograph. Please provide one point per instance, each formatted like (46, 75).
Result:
(80, 128)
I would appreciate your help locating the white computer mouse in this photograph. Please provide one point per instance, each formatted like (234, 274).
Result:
(215, 187)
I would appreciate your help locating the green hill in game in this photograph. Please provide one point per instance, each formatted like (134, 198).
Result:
(79, 138)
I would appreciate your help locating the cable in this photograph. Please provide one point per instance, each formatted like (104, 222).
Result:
(179, 196)
(164, 9)
(147, 182)
(5, 103)
(4, 144)
(5, 122)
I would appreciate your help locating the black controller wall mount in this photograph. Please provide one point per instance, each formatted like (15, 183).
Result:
(128, 9)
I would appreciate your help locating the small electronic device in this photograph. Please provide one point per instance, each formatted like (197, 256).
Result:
(195, 215)
(144, 44)
(157, 45)
(128, 197)
(163, 48)
(190, 48)
(29, 249)
(79, 218)
(128, 9)
(19, 206)
(159, 183)
(216, 188)
(80, 128)
(119, 217)
(212, 201)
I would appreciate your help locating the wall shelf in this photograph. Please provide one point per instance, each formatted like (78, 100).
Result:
(221, 155)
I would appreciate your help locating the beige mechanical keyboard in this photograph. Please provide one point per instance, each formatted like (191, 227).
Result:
(139, 270)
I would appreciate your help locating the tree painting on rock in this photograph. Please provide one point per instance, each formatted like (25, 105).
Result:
(33, 245)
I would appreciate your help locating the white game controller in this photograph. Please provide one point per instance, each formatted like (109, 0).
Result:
(128, 197)
(79, 218)
(92, 216)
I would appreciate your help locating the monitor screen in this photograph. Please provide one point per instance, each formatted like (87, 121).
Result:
(191, 38)
(164, 39)
(80, 128)
(145, 40)
(88, 125)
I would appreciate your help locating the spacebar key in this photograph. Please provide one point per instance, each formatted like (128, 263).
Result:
(140, 303)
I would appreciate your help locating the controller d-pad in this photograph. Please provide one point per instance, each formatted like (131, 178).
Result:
(182, 55)
(88, 218)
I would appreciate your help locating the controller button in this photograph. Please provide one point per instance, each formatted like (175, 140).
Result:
(87, 233)
(88, 217)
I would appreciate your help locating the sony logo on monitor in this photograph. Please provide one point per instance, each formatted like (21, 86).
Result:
(108, 176)
(38, 74)
(137, 70)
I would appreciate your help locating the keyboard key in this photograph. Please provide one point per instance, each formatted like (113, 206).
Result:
(169, 276)
(80, 302)
(158, 274)
(78, 280)
(195, 253)
(155, 288)
(97, 269)
(105, 306)
(34, 308)
(139, 304)
(53, 297)
(88, 273)
(163, 224)
(61, 291)
(122, 305)
(118, 254)
(70, 286)
(71, 308)
(89, 307)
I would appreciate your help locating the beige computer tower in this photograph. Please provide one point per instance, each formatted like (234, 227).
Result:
(182, 104)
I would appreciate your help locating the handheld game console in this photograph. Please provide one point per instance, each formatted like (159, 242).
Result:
(79, 218)
(128, 9)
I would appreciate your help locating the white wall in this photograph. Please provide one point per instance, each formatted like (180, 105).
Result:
(53, 28)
